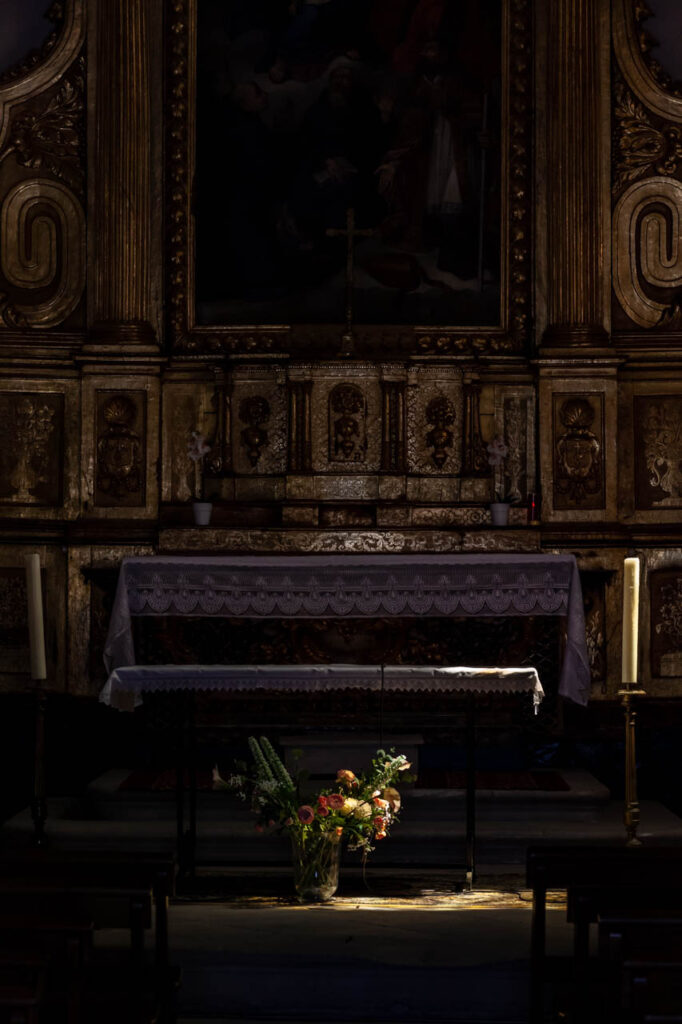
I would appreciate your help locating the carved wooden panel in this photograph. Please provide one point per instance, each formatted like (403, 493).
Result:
(42, 175)
(434, 420)
(14, 640)
(515, 422)
(658, 451)
(647, 178)
(120, 430)
(666, 623)
(578, 451)
(259, 413)
(31, 455)
(594, 600)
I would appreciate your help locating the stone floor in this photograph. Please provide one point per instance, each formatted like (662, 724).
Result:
(433, 957)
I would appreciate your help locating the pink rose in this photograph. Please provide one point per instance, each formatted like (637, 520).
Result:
(335, 801)
(306, 814)
(322, 811)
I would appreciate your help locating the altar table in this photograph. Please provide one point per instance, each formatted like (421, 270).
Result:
(125, 688)
(354, 586)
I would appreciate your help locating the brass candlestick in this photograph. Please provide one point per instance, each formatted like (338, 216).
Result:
(627, 693)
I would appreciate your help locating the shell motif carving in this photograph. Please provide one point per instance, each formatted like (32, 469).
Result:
(578, 454)
(119, 452)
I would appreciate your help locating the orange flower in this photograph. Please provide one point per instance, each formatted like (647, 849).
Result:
(346, 776)
(339, 830)
(392, 796)
(379, 835)
(378, 802)
(379, 823)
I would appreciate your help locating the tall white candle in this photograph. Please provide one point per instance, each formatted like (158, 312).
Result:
(36, 629)
(630, 619)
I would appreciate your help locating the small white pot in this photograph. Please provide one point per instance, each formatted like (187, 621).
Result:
(499, 513)
(202, 512)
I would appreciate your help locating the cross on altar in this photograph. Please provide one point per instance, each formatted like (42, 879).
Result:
(351, 233)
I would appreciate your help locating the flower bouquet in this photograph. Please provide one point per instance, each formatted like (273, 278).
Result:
(359, 808)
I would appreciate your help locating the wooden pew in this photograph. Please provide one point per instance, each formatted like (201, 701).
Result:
(599, 880)
(118, 891)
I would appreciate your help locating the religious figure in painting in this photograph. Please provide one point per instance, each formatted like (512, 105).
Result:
(309, 109)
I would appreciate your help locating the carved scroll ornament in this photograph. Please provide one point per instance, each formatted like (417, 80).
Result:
(647, 253)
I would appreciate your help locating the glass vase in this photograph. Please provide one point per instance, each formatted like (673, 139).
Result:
(316, 865)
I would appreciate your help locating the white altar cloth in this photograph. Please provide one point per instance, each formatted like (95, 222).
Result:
(125, 686)
(315, 586)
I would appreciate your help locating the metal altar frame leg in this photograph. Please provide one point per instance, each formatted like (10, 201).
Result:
(191, 838)
(39, 801)
(470, 791)
(180, 793)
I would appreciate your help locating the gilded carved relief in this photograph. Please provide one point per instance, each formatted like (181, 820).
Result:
(440, 415)
(32, 428)
(578, 452)
(42, 219)
(658, 451)
(647, 218)
(254, 411)
(347, 424)
(120, 449)
(666, 623)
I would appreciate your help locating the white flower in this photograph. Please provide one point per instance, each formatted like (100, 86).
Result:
(497, 451)
(197, 449)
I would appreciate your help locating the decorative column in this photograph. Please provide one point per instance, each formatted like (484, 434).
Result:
(121, 176)
(577, 145)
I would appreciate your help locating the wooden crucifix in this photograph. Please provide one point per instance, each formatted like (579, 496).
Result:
(351, 233)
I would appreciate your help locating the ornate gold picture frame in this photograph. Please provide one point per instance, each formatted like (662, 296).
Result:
(196, 334)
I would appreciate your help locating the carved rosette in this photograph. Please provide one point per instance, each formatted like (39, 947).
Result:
(347, 424)
(579, 452)
(259, 409)
(120, 449)
(434, 420)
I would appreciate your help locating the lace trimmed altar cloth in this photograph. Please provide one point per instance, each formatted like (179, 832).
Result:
(354, 586)
(125, 686)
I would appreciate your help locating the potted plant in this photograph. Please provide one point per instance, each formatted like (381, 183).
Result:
(359, 808)
(197, 450)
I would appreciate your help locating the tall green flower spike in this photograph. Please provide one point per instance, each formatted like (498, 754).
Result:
(281, 774)
(263, 769)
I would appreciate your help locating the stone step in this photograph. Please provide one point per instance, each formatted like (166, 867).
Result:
(222, 840)
(584, 798)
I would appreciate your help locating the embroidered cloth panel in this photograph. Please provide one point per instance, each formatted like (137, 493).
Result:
(125, 686)
(354, 586)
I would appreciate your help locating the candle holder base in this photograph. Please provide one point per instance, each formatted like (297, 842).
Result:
(631, 810)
